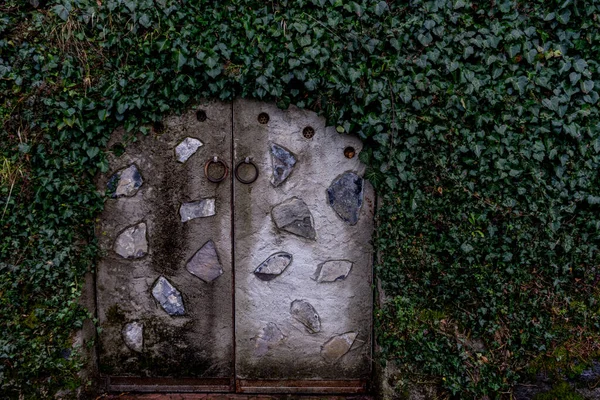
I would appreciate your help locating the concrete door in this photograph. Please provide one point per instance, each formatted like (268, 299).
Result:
(237, 255)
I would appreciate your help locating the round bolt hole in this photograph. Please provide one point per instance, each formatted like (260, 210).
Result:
(118, 149)
(263, 118)
(349, 152)
(201, 115)
(158, 127)
(308, 132)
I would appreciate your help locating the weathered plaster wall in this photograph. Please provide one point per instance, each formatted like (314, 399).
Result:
(272, 342)
(198, 342)
(301, 250)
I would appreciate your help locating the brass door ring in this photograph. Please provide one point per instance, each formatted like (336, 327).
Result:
(215, 160)
(237, 175)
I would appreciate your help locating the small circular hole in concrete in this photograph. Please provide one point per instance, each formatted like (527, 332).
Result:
(158, 127)
(117, 149)
(308, 132)
(201, 115)
(349, 152)
(263, 118)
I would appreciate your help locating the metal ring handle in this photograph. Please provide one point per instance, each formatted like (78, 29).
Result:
(237, 175)
(215, 160)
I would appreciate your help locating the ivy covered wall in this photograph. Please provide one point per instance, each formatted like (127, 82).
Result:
(482, 125)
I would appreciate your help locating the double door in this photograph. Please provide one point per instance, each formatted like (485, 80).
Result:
(236, 255)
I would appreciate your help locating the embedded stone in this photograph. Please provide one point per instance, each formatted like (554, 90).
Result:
(305, 313)
(282, 161)
(187, 148)
(205, 263)
(337, 346)
(133, 336)
(273, 266)
(125, 183)
(294, 216)
(132, 242)
(168, 297)
(270, 335)
(345, 196)
(197, 209)
(333, 270)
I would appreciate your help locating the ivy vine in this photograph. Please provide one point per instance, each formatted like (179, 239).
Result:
(482, 131)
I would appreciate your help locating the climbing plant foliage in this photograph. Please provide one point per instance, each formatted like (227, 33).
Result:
(482, 131)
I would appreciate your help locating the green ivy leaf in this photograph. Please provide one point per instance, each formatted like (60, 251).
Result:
(92, 152)
(61, 11)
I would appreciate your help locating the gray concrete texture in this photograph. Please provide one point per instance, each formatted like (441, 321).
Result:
(200, 342)
(304, 314)
(345, 305)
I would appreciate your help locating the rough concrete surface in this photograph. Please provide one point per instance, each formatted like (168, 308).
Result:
(199, 343)
(303, 300)
(343, 306)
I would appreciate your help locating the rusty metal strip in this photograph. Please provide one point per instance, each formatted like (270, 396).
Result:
(155, 385)
(301, 386)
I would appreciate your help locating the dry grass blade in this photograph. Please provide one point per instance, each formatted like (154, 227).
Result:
(9, 173)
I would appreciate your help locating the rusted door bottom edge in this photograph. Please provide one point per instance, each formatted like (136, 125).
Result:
(162, 385)
(301, 386)
(223, 385)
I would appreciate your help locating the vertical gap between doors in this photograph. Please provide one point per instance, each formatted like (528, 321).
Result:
(232, 150)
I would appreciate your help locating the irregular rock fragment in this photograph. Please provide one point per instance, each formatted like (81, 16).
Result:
(294, 216)
(273, 266)
(187, 148)
(125, 183)
(337, 346)
(345, 196)
(205, 263)
(197, 209)
(132, 242)
(282, 161)
(133, 336)
(332, 270)
(168, 297)
(268, 338)
(306, 314)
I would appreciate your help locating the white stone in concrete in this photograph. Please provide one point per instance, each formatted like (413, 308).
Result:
(337, 346)
(294, 216)
(306, 314)
(132, 242)
(187, 148)
(197, 209)
(269, 337)
(133, 336)
(333, 270)
(273, 266)
(125, 182)
(205, 263)
(168, 297)
(282, 161)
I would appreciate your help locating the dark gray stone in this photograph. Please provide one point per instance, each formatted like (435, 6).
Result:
(294, 216)
(337, 346)
(273, 266)
(306, 314)
(282, 161)
(132, 242)
(125, 183)
(133, 336)
(345, 196)
(187, 148)
(197, 209)
(205, 263)
(269, 337)
(332, 270)
(168, 297)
